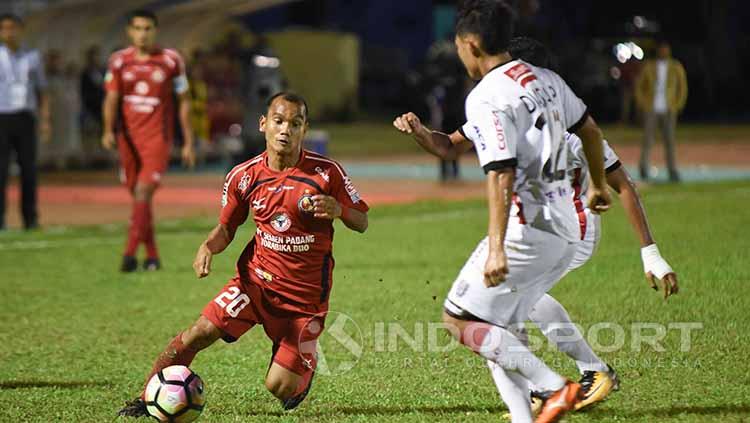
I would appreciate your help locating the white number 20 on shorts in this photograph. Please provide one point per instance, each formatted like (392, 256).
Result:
(236, 300)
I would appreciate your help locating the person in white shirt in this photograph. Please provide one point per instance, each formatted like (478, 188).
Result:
(517, 116)
(23, 101)
(661, 94)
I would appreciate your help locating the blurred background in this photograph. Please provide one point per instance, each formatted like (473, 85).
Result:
(360, 63)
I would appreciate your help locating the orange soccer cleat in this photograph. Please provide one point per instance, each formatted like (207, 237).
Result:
(559, 402)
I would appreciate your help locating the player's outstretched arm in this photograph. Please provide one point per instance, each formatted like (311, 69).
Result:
(593, 148)
(499, 195)
(445, 146)
(654, 266)
(327, 207)
(218, 239)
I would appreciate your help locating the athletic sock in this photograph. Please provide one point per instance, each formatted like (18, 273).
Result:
(149, 239)
(135, 230)
(554, 322)
(503, 348)
(513, 389)
(176, 353)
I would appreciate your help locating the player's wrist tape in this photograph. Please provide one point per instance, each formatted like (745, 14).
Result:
(653, 261)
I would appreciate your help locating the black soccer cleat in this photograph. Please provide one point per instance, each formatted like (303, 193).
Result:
(135, 408)
(129, 264)
(151, 264)
(295, 401)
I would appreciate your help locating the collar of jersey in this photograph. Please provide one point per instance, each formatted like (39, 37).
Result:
(287, 170)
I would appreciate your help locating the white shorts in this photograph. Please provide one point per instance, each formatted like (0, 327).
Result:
(537, 260)
(587, 246)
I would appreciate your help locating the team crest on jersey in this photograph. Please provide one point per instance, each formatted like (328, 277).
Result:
(244, 182)
(141, 87)
(157, 76)
(323, 174)
(128, 76)
(305, 203)
(461, 289)
(281, 222)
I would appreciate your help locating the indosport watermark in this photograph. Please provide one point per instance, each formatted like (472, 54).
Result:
(341, 344)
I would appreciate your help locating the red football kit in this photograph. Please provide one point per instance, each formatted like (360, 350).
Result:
(284, 274)
(145, 127)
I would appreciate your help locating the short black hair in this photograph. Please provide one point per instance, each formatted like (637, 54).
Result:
(292, 98)
(143, 13)
(531, 51)
(11, 17)
(491, 20)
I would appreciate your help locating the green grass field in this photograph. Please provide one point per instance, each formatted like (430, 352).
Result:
(77, 337)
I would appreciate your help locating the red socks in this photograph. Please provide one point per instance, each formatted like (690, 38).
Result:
(148, 235)
(176, 353)
(141, 230)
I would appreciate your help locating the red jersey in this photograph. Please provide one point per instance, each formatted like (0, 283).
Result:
(147, 88)
(291, 252)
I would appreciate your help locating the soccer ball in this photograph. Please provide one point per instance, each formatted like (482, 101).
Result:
(175, 394)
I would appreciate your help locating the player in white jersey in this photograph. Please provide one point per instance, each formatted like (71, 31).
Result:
(598, 379)
(517, 117)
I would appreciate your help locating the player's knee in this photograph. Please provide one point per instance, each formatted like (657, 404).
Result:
(453, 325)
(201, 335)
(144, 192)
(280, 388)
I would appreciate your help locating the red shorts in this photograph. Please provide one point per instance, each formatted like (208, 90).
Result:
(294, 328)
(142, 165)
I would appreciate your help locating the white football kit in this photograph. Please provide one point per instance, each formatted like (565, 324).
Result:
(578, 172)
(517, 116)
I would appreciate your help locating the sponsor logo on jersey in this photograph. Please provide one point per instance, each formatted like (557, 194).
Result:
(225, 194)
(281, 222)
(128, 76)
(263, 274)
(305, 202)
(244, 182)
(480, 138)
(280, 188)
(157, 76)
(499, 132)
(349, 186)
(323, 174)
(141, 87)
(258, 204)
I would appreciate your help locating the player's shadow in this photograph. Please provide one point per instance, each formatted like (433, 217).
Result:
(664, 412)
(383, 410)
(55, 384)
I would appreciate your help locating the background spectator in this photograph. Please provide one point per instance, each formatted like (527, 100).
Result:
(661, 93)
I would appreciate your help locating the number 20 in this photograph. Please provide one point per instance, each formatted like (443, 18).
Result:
(238, 301)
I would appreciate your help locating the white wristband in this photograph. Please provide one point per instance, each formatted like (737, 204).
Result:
(653, 262)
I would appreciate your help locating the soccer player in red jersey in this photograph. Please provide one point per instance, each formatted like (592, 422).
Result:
(141, 83)
(283, 279)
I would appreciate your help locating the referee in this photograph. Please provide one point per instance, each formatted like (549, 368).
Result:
(22, 92)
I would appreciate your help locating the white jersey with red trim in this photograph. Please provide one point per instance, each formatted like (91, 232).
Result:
(517, 116)
(578, 167)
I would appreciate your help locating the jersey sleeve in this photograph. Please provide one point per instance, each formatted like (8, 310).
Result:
(113, 77)
(494, 135)
(234, 209)
(574, 109)
(179, 79)
(38, 72)
(343, 190)
(611, 161)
